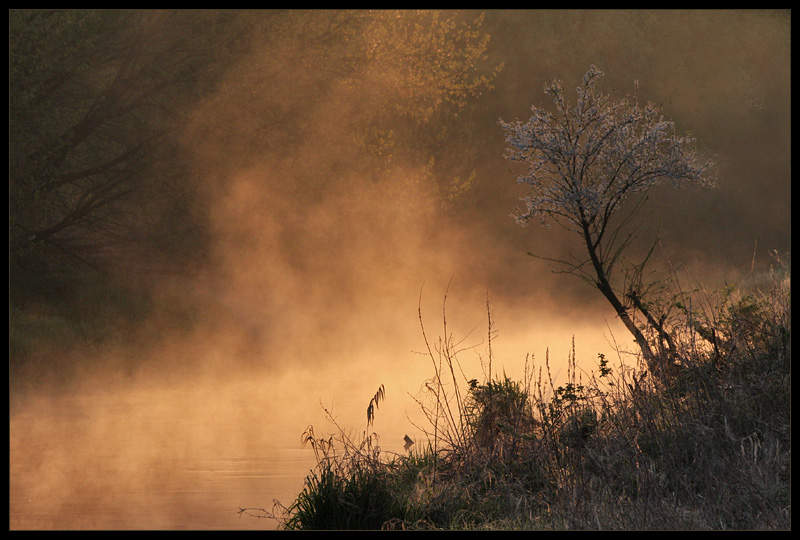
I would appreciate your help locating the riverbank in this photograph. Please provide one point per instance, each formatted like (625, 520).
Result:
(703, 445)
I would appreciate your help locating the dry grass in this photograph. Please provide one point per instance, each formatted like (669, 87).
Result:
(704, 445)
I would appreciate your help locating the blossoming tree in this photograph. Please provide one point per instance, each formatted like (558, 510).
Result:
(583, 162)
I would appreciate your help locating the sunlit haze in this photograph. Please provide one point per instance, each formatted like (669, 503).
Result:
(320, 266)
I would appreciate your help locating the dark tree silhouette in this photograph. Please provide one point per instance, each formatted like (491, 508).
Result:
(583, 162)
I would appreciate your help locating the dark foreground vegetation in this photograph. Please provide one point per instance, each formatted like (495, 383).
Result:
(703, 445)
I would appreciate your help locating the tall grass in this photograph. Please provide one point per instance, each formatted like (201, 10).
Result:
(703, 444)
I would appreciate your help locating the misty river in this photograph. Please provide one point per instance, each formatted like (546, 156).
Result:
(148, 459)
(161, 452)
(184, 456)
(151, 459)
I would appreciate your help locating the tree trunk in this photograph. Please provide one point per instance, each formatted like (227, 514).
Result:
(658, 326)
(622, 313)
(605, 287)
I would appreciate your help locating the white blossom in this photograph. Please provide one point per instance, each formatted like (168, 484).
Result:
(583, 161)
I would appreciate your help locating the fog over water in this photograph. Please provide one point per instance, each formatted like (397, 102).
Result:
(312, 293)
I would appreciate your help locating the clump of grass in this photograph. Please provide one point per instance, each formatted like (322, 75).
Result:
(704, 444)
(330, 500)
(351, 490)
(350, 487)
